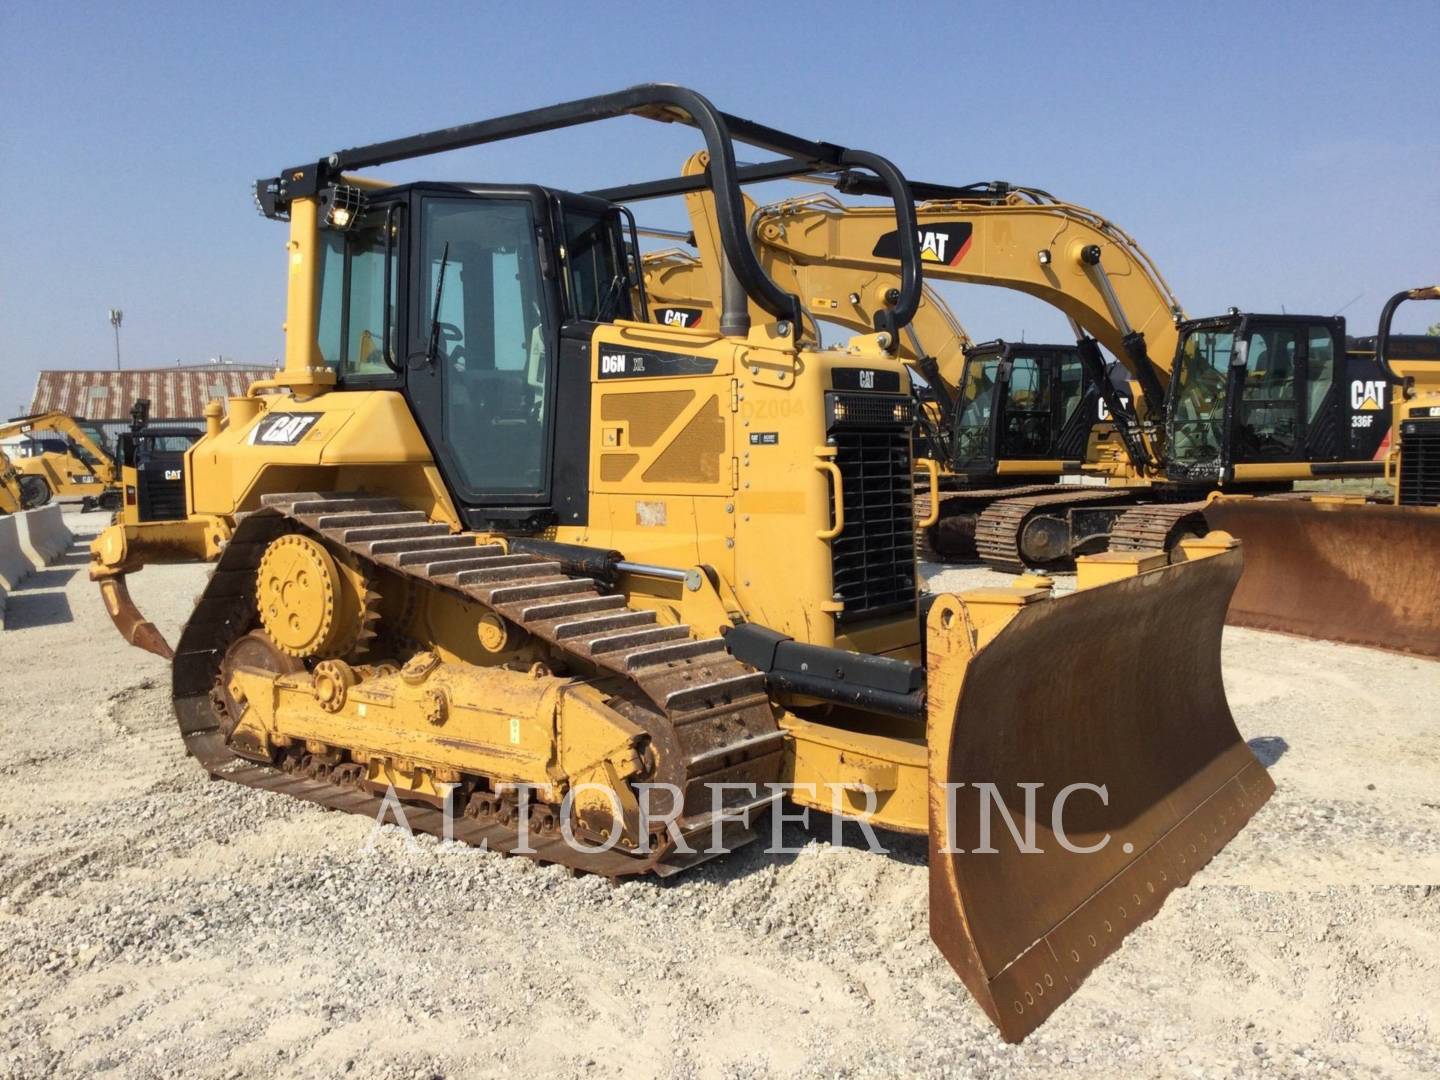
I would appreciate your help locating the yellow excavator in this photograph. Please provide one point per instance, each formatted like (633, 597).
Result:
(72, 465)
(498, 550)
(1244, 403)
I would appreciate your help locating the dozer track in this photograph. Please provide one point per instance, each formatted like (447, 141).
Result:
(1157, 527)
(999, 532)
(707, 714)
(953, 536)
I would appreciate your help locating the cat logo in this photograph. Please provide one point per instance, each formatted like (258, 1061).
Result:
(172, 474)
(945, 243)
(1367, 395)
(689, 318)
(1104, 410)
(283, 429)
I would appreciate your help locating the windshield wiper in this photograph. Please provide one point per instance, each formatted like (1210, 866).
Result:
(612, 296)
(435, 315)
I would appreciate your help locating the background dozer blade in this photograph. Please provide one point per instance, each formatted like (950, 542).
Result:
(1351, 572)
(1118, 686)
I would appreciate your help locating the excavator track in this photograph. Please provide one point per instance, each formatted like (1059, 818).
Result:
(952, 538)
(1001, 526)
(706, 713)
(1160, 526)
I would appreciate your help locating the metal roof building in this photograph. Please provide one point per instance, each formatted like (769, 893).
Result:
(175, 393)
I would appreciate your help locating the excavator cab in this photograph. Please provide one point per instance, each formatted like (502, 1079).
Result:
(1250, 394)
(1024, 403)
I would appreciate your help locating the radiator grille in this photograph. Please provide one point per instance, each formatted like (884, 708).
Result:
(161, 499)
(873, 559)
(1420, 463)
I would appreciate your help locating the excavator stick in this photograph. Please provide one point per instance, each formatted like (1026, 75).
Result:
(1117, 689)
(1336, 569)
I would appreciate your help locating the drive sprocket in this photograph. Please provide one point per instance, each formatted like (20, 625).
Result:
(312, 605)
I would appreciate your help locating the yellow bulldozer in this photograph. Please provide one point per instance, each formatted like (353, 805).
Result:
(1049, 455)
(61, 457)
(1343, 566)
(575, 585)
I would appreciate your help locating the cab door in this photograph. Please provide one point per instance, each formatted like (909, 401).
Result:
(1268, 417)
(1326, 412)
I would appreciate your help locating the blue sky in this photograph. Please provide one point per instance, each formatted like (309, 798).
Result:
(1264, 154)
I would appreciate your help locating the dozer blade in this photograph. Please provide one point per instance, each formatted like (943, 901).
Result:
(1357, 573)
(1116, 686)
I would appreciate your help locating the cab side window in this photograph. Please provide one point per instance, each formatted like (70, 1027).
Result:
(596, 275)
(1319, 370)
(352, 316)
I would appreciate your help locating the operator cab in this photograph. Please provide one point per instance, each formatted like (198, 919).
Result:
(34, 446)
(1257, 390)
(477, 302)
(1020, 402)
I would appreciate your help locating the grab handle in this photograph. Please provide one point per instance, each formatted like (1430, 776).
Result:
(839, 484)
(934, 470)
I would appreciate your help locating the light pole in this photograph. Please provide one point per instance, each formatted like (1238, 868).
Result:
(115, 316)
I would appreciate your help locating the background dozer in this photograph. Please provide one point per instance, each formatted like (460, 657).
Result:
(152, 467)
(59, 457)
(495, 542)
(1355, 568)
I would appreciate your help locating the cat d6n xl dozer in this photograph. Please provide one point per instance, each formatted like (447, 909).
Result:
(1347, 567)
(601, 589)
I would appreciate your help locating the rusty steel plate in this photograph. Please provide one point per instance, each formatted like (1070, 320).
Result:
(1117, 686)
(1359, 574)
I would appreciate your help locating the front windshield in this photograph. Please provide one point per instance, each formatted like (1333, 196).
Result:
(170, 444)
(972, 418)
(1197, 424)
(480, 259)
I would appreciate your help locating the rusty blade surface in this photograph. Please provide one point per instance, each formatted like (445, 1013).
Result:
(1117, 686)
(1360, 574)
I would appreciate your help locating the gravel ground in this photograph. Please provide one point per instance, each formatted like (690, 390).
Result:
(156, 924)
